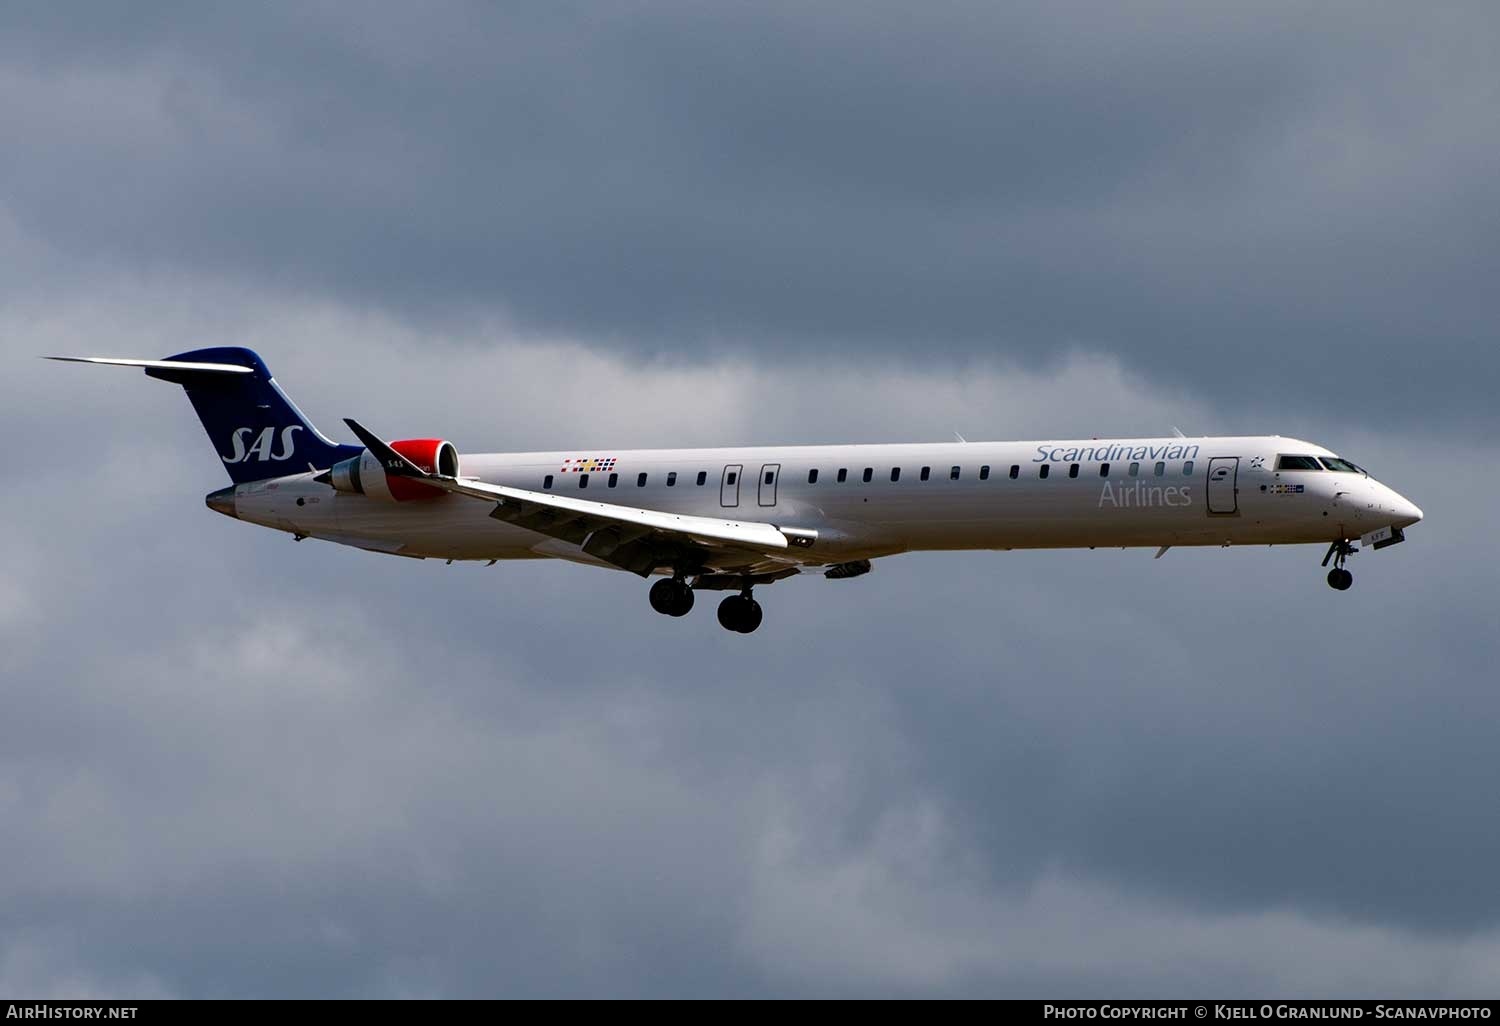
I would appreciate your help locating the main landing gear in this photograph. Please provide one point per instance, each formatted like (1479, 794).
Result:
(671, 596)
(739, 613)
(1339, 578)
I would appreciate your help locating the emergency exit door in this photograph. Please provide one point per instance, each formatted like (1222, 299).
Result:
(729, 486)
(768, 475)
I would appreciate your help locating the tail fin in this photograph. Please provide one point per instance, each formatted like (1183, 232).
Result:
(256, 430)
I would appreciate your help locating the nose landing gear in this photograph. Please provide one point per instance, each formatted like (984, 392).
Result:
(671, 596)
(1338, 578)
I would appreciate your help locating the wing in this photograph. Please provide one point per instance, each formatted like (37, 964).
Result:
(638, 540)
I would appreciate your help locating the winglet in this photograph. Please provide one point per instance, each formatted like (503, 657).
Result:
(393, 461)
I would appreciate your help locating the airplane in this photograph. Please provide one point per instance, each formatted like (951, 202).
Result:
(730, 520)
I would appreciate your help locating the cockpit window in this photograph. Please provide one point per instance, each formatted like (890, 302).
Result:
(1297, 463)
(1342, 466)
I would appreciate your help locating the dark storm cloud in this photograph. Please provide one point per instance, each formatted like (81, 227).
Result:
(1292, 198)
(232, 764)
(1005, 773)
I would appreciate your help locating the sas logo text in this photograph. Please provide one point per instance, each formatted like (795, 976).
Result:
(262, 448)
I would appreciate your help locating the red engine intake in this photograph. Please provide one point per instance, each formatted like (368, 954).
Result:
(363, 475)
(433, 456)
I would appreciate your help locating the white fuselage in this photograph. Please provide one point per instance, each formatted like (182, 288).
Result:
(1002, 495)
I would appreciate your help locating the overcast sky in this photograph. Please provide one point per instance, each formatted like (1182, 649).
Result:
(234, 765)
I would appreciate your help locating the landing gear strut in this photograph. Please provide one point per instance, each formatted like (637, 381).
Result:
(740, 613)
(1339, 578)
(671, 596)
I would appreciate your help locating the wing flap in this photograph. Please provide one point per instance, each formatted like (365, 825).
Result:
(554, 514)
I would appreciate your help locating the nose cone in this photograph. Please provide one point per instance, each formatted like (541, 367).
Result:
(222, 501)
(1398, 510)
(1407, 512)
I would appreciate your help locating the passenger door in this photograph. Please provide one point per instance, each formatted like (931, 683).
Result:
(1223, 485)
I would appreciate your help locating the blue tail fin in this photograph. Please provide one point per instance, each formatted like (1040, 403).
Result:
(256, 430)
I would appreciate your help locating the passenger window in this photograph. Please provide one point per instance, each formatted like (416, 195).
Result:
(1135, 470)
(702, 478)
(614, 479)
(812, 477)
(1161, 468)
(733, 477)
(1072, 470)
(1104, 470)
(583, 480)
(843, 474)
(895, 473)
(953, 474)
(1015, 471)
(1297, 463)
(547, 481)
(984, 472)
(1043, 471)
(1187, 469)
(671, 479)
(926, 473)
(869, 473)
(640, 480)
(770, 476)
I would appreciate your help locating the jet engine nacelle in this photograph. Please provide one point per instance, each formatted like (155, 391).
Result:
(365, 475)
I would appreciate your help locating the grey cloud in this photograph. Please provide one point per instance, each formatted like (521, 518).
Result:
(232, 764)
(1238, 201)
(296, 769)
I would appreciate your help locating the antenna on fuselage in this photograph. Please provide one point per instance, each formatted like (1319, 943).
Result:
(1178, 431)
(961, 438)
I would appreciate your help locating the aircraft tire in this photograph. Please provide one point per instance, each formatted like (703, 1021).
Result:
(751, 617)
(729, 613)
(739, 613)
(664, 597)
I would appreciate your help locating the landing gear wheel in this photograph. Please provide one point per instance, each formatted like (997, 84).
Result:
(739, 613)
(752, 617)
(729, 612)
(671, 597)
(1338, 578)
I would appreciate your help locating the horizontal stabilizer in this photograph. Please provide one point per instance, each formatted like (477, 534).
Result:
(172, 365)
(256, 431)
